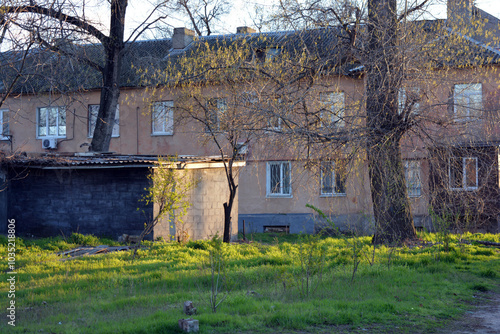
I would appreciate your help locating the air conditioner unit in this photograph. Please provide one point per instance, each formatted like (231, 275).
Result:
(49, 143)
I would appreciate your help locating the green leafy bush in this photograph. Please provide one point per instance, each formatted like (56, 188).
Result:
(84, 240)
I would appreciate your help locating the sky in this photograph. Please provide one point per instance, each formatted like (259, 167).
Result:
(240, 16)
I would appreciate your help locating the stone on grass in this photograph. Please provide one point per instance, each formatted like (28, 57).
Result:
(189, 325)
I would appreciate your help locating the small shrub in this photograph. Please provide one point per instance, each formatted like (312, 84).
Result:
(198, 244)
(83, 240)
(449, 258)
(215, 268)
(311, 256)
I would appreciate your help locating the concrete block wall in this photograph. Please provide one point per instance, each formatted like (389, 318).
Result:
(103, 202)
(205, 217)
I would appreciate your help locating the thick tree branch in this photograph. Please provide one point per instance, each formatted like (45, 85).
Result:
(411, 10)
(60, 16)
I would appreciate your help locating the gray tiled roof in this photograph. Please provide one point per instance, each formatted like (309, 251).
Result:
(324, 43)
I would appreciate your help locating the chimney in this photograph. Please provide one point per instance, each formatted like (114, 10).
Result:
(245, 30)
(182, 38)
(460, 13)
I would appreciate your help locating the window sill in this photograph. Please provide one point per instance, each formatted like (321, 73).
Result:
(466, 119)
(465, 189)
(278, 196)
(332, 195)
(51, 137)
(162, 134)
(332, 126)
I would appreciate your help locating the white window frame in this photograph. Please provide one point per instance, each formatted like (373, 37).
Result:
(274, 123)
(464, 186)
(216, 107)
(274, 120)
(463, 101)
(270, 193)
(60, 110)
(93, 111)
(413, 178)
(332, 169)
(403, 95)
(162, 116)
(4, 124)
(332, 112)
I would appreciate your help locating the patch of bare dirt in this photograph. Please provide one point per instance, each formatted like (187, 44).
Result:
(485, 319)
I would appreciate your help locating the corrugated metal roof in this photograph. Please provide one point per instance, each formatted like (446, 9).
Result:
(98, 160)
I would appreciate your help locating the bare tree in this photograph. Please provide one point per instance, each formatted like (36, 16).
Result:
(55, 25)
(223, 127)
(203, 14)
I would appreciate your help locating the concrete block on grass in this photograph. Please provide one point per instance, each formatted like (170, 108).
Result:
(189, 325)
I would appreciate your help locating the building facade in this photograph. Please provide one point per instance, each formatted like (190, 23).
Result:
(282, 174)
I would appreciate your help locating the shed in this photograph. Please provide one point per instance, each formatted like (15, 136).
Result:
(100, 194)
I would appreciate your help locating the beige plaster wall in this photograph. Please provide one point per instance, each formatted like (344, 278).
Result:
(135, 126)
(305, 190)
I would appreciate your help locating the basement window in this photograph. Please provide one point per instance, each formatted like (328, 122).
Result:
(277, 229)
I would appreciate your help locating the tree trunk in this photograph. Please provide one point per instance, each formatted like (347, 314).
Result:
(228, 206)
(110, 91)
(391, 207)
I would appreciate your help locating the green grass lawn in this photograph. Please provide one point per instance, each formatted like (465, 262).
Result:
(277, 284)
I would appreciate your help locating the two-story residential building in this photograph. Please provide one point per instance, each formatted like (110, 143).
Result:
(450, 155)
